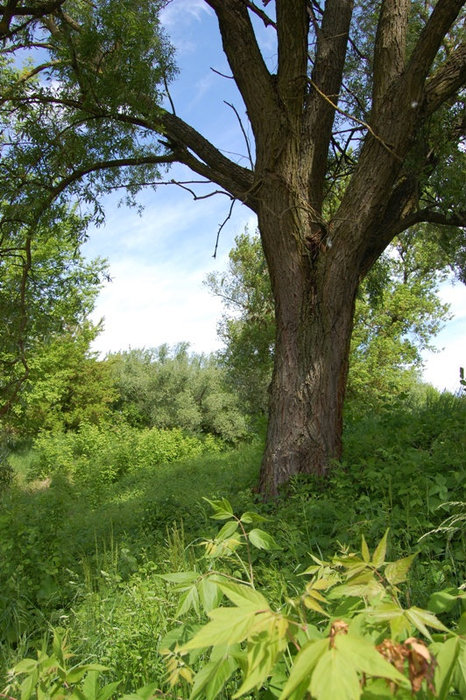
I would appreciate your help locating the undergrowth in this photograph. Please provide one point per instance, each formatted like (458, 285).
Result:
(85, 554)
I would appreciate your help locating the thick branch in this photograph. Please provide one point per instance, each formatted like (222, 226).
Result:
(260, 13)
(232, 177)
(327, 77)
(79, 173)
(402, 203)
(390, 46)
(247, 64)
(11, 10)
(292, 29)
(443, 16)
(446, 80)
(430, 216)
(182, 137)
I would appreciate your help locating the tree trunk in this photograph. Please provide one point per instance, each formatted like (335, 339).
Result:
(314, 301)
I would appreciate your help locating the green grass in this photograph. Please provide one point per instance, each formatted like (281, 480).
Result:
(88, 559)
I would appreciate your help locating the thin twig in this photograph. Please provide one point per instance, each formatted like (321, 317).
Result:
(195, 196)
(222, 75)
(172, 105)
(243, 132)
(355, 119)
(220, 228)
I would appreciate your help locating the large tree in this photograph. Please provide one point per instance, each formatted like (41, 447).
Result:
(364, 101)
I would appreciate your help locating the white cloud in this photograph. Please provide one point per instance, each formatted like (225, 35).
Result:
(147, 305)
(157, 264)
(442, 369)
(182, 12)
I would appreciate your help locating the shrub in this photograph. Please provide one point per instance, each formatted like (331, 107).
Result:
(348, 635)
(96, 455)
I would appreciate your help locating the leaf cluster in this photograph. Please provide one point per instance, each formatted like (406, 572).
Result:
(346, 636)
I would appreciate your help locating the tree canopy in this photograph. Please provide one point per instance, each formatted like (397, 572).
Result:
(47, 291)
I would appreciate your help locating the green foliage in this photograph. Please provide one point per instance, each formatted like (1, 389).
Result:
(397, 314)
(51, 675)
(67, 385)
(94, 557)
(6, 470)
(73, 121)
(47, 291)
(98, 455)
(248, 327)
(170, 388)
(338, 639)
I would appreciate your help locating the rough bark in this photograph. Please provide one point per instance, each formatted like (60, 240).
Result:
(314, 305)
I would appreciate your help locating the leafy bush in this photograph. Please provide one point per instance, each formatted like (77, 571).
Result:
(95, 456)
(171, 388)
(51, 675)
(346, 636)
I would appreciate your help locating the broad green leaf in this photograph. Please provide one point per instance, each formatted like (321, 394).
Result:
(108, 691)
(443, 601)
(335, 678)
(365, 550)
(262, 540)
(459, 671)
(312, 604)
(181, 578)
(250, 517)
(322, 584)
(222, 509)
(25, 666)
(396, 571)
(227, 530)
(189, 599)
(420, 618)
(262, 654)
(209, 594)
(209, 681)
(446, 656)
(304, 664)
(363, 585)
(227, 626)
(76, 674)
(378, 558)
(365, 657)
(243, 595)
(144, 693)
(28, 685)
(90, 687)
(461, 627)
(315, 594)
(379, 689)
(394, 615)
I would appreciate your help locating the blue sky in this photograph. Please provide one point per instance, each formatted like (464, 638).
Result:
(158, 260)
